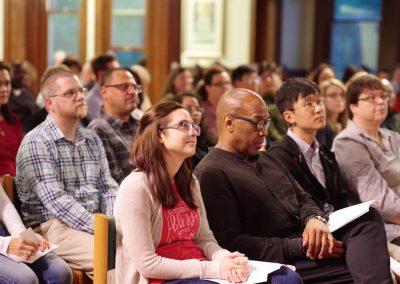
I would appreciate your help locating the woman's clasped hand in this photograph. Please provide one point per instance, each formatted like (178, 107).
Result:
(234, 268)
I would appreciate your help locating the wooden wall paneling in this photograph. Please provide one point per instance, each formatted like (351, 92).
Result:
(82, 31)
(157, 45)
(174, 23)
(267, 30)
(253, 25)
(36, 37)
(14, 30)
(103, 26)
(389, 40)
(323, 31)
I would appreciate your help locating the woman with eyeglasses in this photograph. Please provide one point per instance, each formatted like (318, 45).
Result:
(369, 156)
(215, 83)
(162, 229)
(10, 126)
(191, 103)
(334, 93)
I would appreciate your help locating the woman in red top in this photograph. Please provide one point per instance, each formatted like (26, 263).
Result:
(162, 228)
(10, 127)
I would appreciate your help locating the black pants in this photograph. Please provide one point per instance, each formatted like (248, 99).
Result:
(366, 259)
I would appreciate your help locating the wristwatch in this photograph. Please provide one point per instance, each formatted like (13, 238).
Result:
(321, 219)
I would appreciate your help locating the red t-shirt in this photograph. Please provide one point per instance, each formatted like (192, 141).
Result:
(10, 139)
(180, 225)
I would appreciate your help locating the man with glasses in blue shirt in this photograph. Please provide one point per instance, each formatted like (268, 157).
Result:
(62, 173)
(115, 125)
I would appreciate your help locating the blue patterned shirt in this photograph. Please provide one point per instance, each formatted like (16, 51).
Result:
(117, 137)
(63, 179)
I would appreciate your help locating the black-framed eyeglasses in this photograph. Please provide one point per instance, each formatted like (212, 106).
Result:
(124, 87)
(72, 93)
(261, 124)
(184, 125)
(374, 99)
(311, 105)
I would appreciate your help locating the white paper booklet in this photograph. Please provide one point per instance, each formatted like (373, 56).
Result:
(259, 271)
(29, 235)
(342, 217)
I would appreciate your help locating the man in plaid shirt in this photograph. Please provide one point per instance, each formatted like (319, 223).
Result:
(115, 125)
(62, 173)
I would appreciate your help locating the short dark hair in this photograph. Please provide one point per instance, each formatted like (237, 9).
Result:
(242, 70)
(100, 62)
(293, 89)
(71, 62)
(207, 80)
(357, 86)
(108, 74)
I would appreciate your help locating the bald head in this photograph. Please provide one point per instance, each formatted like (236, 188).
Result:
(240, 112)
(237, 101)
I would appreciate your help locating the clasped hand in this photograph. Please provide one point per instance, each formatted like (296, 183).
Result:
(25, 249)
(234, 267)
(319, 242)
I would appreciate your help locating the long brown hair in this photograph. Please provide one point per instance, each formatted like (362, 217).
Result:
(147, 154)
(6, 109)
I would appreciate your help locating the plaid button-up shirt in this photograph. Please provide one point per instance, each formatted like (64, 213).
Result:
(117, 137)
(63, 179)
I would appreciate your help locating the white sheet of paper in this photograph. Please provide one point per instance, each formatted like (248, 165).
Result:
(259, 271)
(29, 235)
(342, 217)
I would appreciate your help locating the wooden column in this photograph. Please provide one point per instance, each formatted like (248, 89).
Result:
(103, 26)
(323, 31)
(267, 40)
(389, 40)
(14, 30)
(162, 41)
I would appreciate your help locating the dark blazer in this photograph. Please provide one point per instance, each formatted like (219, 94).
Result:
(337, 191)
(256, 209)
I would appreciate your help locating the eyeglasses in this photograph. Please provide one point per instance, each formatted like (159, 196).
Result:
(374, 99)
(184, 125)
(310, 105)
(124, 87)
(72, 93)
(261, 124)
(194, 109)
(221, 84)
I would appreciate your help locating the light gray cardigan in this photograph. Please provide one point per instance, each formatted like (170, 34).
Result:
(372, 171)
(139, 224)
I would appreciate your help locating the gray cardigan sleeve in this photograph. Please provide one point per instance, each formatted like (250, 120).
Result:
(361, 172)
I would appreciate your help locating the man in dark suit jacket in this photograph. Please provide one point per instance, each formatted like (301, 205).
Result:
(260, 210)
(312, 165)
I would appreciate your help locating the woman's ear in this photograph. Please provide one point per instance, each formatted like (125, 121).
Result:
(160, 137)
(353, 108)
